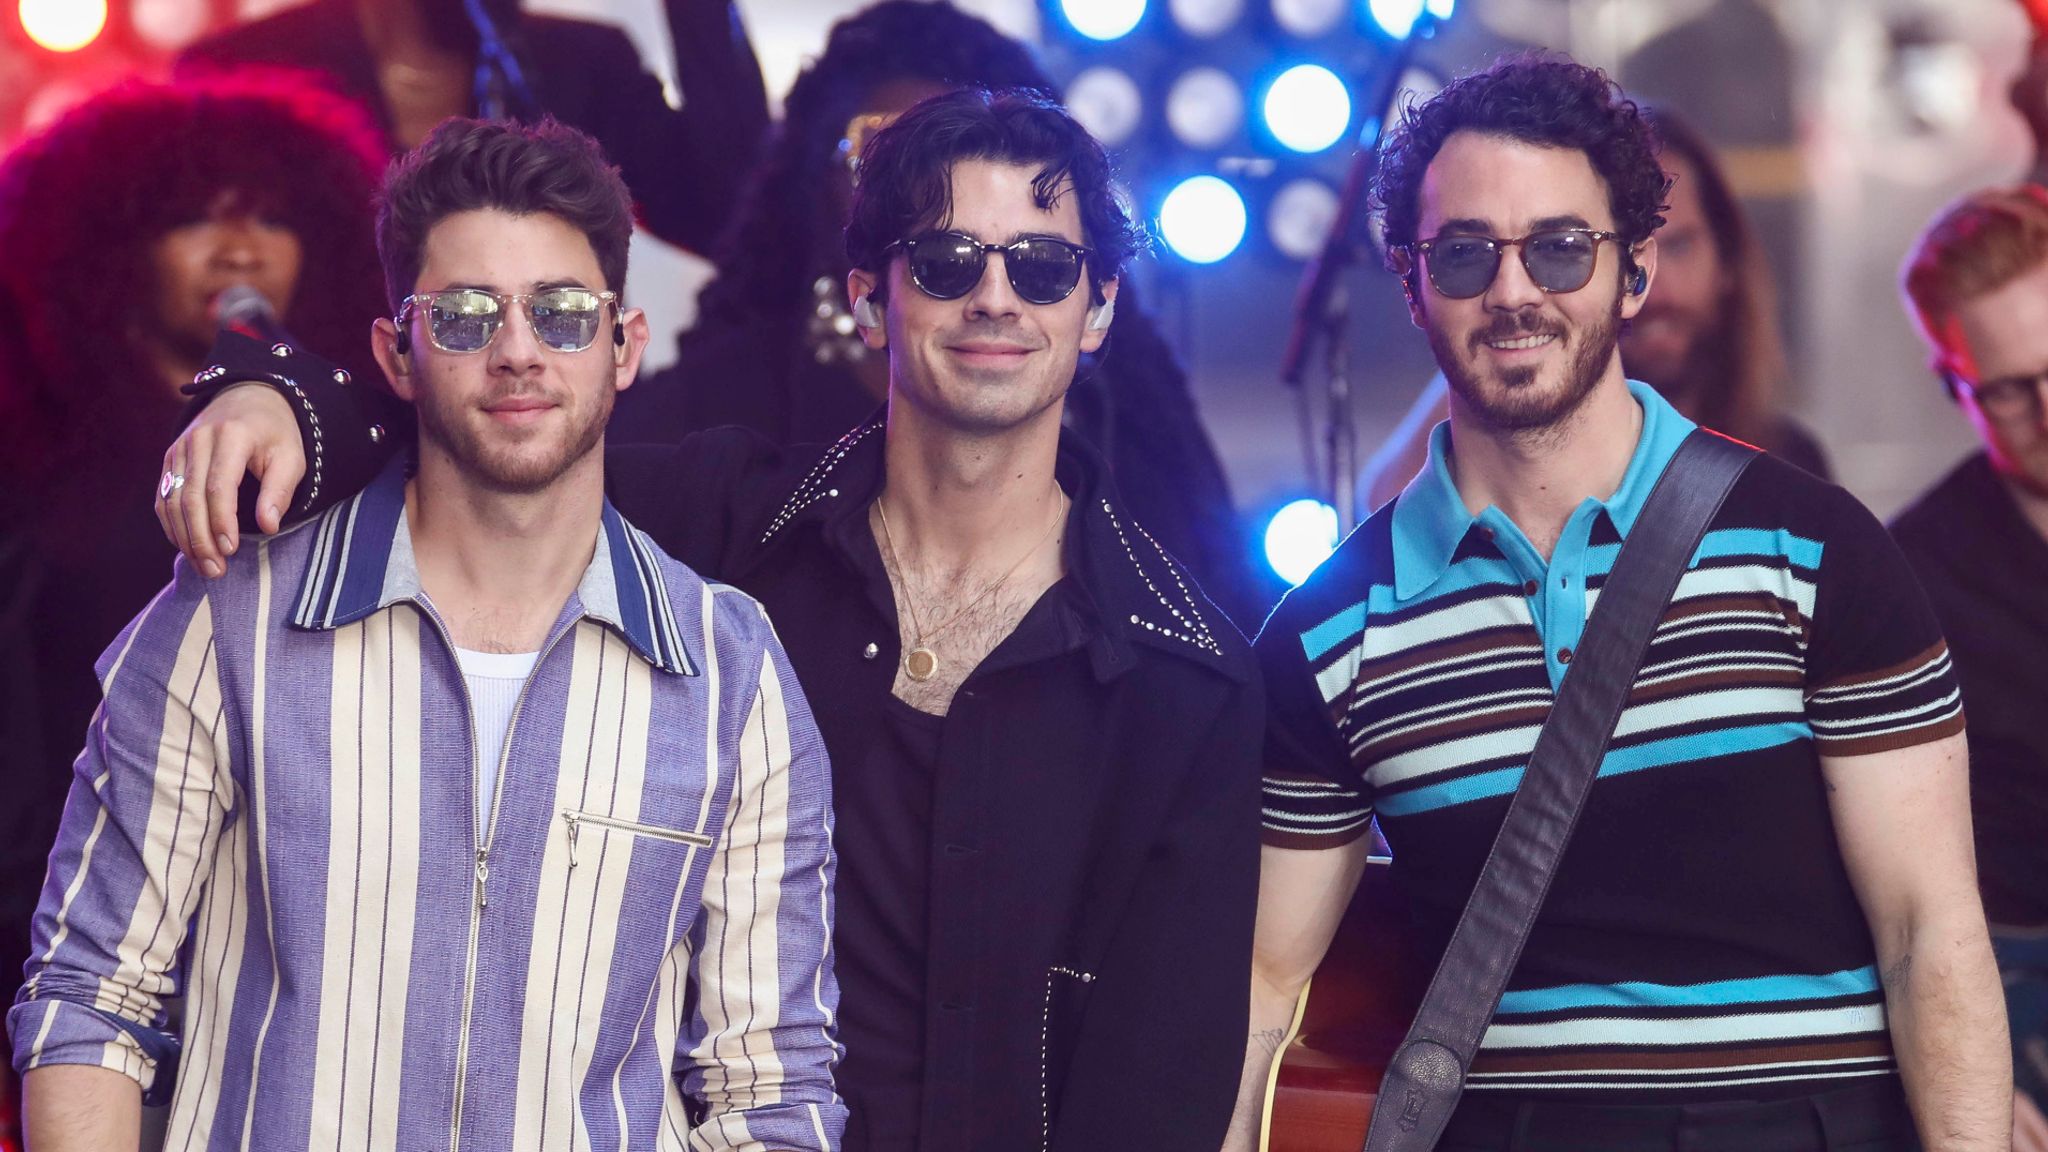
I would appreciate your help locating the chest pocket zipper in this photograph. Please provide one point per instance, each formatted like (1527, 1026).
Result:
(576, 820)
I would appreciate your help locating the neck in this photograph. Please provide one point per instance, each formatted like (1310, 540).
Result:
(396, 30)
(2033, 505)
(953, 499)
(1538, 478)
(499, 566)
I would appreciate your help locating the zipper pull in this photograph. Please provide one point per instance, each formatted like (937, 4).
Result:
(573, 820)
(483, 873)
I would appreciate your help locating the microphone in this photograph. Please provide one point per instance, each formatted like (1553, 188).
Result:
(244, 310)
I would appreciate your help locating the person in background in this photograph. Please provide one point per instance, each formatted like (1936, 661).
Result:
(123, 223)
(1707, 340)
(776, 349)
(1976, 284)
(413, 63)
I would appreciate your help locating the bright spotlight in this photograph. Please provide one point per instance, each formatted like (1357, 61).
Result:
(1307, 108)
(1300, 217)
(1308, 17)
(1106, 102)
(1203, 219)
(1103, 19)
(63, 25)
(1204, 107)
(1205, 18)
(1299, 537)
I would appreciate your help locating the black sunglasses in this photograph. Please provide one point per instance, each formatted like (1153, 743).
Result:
(1557, 260)
(947, 265)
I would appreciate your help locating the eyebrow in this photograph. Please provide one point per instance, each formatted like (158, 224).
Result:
(538, 285)
(1472, 225)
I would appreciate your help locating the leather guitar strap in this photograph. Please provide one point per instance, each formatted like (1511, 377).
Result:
(1427, 1074)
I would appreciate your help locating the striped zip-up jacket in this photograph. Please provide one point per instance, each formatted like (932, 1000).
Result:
(273, 817)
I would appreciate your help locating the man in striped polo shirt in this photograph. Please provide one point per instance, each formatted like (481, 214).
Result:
(461, 816)
(1765, 933)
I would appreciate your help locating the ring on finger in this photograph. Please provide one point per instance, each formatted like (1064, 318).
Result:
(171, 482)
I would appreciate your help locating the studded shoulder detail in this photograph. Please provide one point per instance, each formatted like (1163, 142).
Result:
(1189, 625)
(816, 484)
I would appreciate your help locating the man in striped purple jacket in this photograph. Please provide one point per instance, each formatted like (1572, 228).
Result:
(461, 817)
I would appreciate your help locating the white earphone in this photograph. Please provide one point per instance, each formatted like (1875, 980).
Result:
(865, 314)
(1100, 315)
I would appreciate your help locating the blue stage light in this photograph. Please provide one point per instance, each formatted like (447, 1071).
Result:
(1203, 219)
(1397, 17)
(1307, 108)
(1299, 537)
(1103, 19)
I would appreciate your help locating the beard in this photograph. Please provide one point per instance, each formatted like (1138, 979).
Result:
(1518, 402)
(518, 468)
(448, 25)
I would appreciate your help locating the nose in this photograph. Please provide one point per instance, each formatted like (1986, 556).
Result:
(992, 295)
(240, 243)
(515, 349)
(1512, 290)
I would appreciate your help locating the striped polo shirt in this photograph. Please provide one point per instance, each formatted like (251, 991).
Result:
(1701, 939)
(274, 817)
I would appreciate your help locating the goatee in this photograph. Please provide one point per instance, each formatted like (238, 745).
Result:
(1513, 400)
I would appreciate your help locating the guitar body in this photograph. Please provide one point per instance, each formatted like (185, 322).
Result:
(1357, 1012)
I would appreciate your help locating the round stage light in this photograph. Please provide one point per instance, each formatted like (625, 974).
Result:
(1103, 19)
(1300, 216)
(1299, 538)
(63, 25)
(1307, 108)
(168, 25)
(1308, 17)
(1205, 107)
(1397, 17)
(1205, 18)
(1107, 103)
(1203, 219)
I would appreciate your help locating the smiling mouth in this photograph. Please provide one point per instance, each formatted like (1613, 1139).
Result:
(1521, 343)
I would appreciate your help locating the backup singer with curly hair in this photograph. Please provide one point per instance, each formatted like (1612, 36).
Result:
(121, 224)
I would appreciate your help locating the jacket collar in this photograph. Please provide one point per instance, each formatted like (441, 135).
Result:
(1131, 591)
(362, 562)
(1430, 518)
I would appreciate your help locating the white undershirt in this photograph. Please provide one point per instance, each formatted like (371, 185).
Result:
(494, 679)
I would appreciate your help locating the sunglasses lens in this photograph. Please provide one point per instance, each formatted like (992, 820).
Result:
(945, 266)
(1462, 266)
(462, 320)
(1559, 261)
(1042, 271)
(566, 319)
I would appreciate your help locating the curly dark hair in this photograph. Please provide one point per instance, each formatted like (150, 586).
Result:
(906, 173)
(465, 165)
(789, 231)
(1537, 99)
(81, 206)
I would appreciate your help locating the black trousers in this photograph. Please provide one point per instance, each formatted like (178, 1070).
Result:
(1864, 1118)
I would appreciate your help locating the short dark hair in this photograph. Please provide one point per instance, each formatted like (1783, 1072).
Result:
(523, 169)
(1535, 99)
(906, 170)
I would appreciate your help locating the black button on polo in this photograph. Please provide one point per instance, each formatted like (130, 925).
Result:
(1564, 655)
(1528, 588)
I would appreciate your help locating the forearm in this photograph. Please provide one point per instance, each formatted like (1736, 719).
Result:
(80, 1108)
(1948, 1027)
(1273, 1006)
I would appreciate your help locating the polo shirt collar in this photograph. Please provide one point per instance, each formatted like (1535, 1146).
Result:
(362, 562)
(1430, 519)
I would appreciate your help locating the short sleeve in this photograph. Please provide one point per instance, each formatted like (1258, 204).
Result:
(1878, 674)
(1313, 796)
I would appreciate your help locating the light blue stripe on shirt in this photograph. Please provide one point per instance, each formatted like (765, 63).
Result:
(1752, 990)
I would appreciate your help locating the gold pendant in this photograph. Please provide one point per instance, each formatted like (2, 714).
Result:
(921, 664)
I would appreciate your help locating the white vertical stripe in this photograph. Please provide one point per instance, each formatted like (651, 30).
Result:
(221, 936)
(253, 818)
(390, 964)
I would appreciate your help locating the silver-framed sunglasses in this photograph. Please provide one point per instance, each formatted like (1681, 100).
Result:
(464, 320)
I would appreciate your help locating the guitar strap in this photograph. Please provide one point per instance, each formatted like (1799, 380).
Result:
(1427, 1074)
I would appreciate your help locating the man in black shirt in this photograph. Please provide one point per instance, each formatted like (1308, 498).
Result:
(1977, 284)
(1045, 738)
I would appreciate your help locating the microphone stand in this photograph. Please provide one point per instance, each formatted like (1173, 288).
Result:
(1322, 305)
(500, 86)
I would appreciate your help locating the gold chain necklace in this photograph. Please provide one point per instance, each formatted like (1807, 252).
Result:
(921, 663)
